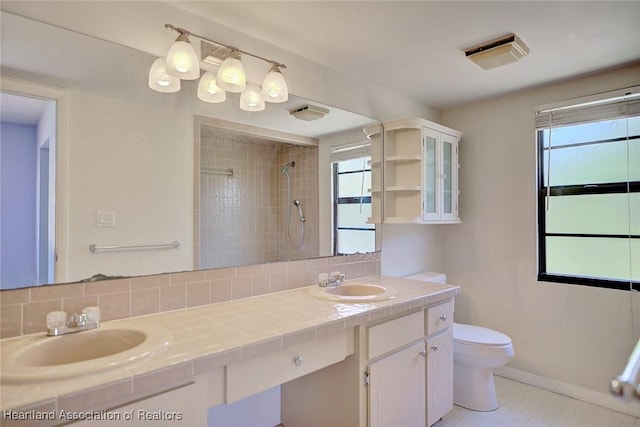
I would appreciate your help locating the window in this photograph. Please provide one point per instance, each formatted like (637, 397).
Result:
(589, 191)
(352, 200)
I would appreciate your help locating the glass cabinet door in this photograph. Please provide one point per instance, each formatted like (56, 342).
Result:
(430, 184)
(449, 177)
(446, 177)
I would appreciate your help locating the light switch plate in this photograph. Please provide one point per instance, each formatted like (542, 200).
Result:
(105, 219)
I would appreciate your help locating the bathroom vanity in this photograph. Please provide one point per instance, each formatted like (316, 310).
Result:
(357, 363)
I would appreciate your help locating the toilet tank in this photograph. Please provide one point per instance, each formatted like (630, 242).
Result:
(429, 276)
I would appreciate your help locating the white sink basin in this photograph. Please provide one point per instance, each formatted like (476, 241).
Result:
(41, 358)
(354, 292)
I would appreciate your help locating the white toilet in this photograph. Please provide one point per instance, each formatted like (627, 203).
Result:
(476, 352)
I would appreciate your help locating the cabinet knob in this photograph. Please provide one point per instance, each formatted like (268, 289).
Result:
(443, 317)
(297, 360)
(423, 353)
(434, 347)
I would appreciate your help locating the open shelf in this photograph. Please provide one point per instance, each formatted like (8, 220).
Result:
(403, 158)
(404, 188)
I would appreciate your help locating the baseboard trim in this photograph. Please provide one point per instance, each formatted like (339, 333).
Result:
(570, 390)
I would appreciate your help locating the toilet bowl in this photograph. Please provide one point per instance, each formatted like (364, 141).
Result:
(476, 352)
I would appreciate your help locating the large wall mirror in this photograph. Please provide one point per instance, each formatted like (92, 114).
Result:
(105, 161)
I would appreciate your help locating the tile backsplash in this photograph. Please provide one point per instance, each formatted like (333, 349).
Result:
(23, 311)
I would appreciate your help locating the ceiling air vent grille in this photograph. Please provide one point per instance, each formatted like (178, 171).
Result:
(309, 112)
(498, 52)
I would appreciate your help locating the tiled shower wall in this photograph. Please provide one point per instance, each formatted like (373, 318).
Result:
(237, 212)
(304, 187)
(23, 311)
(243, 215)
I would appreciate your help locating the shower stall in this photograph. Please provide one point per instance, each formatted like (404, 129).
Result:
(258, 200)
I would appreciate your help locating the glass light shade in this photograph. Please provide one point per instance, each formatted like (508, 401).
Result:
(251, 99)
(274, 87)
(182, 61)
(231, 76)
(159, 80)
(208, 90)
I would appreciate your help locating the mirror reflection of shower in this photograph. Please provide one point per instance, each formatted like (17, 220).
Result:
(296, 244)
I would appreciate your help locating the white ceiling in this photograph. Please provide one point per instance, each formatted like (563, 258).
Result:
(414, 48)
(21, 109)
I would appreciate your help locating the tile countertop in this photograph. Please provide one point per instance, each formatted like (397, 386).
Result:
(211, 336)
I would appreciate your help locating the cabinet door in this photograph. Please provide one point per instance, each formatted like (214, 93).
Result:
(449, 178)
(439, 376)
(183, 406)
(397, 389)
(430, 175)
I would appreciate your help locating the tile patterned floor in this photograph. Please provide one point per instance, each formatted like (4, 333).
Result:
(522, 405)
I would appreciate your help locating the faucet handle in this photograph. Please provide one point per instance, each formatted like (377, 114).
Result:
(92, 313)
(56, 319)
(336, 275)
(323, 279)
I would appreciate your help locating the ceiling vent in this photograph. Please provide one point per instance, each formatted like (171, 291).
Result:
(309, 112)
(498, 52)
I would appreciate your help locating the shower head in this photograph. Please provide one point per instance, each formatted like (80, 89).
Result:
(285, 168)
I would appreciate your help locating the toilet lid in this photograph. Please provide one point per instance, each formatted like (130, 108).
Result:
(469, 334)
(429, 277)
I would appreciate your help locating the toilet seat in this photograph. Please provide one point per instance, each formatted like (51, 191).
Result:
(477, 335)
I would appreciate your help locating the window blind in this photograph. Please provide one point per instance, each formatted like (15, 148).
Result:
(350, 151)
(609, 106)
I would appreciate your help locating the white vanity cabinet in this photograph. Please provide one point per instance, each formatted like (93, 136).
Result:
(400, 374)
(268, 370)
(439, 355)
(397, 388)
(418, 172)
(395, 374)
(413, 386)
(181, 406)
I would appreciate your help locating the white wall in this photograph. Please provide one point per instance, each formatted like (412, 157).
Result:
(46, 141)
(411, 248)
(572, 334)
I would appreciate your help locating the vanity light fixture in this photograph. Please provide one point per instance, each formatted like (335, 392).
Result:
(251, 99)
(231, 76)
(274, 86)
(208, 89)
(160, 80)
(182, 60)
(182, 63)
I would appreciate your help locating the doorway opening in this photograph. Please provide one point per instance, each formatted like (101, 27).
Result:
(27, 190)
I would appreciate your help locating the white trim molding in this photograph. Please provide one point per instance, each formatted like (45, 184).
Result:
(570, 390)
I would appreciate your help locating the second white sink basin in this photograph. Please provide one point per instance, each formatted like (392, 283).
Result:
(354, 292)
(41, 358)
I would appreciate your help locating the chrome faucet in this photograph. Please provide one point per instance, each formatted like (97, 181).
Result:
(59, 324)
(335, 279)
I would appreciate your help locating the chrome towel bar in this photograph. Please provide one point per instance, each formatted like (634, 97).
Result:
(94, 247)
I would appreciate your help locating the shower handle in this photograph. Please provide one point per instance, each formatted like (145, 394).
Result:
(299, 206)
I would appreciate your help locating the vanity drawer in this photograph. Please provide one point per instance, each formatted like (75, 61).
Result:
(268, 370)
(395, 333)
(439, 317)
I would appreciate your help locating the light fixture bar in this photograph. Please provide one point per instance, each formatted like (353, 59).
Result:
(182, 31)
